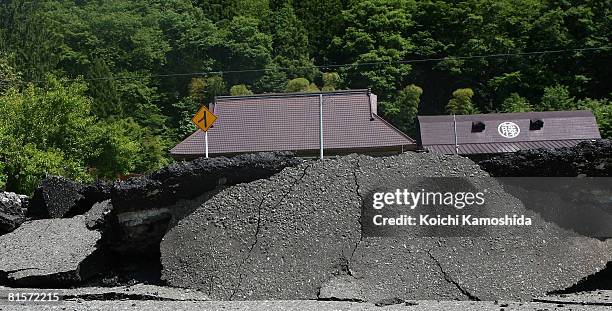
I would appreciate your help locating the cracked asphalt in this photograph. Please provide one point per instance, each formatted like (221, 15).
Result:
(283, 237)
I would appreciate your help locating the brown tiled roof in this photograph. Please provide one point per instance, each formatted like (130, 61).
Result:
(291, 122)
(560, 129)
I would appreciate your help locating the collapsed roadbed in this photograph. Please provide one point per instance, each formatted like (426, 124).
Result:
(271, 226)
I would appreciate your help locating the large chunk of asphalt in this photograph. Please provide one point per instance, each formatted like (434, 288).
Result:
(12, 211)
(59, 197)
(185, 180)
(50, 252)
(145, 207)
(590, 158)
(286, 237)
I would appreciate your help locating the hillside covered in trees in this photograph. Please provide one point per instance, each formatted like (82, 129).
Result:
(100, 89)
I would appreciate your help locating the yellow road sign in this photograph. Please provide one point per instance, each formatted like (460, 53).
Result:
(204, 119)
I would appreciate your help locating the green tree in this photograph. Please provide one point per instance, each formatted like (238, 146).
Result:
(297, 85)
(290, 43)
(557, 97)
(181, 123)
(403, 111)
(378, 36)
(206, 89)
(461, 103)
(240, 89)
(602, 109)
(273, 81)
(51, 130)
(123, 147)
(3, 176)
(45, 131)
(516, 103)
(331, 81)
(322, 20)
(32, 36)
(242, 45)
(104, 91)
(8, 76)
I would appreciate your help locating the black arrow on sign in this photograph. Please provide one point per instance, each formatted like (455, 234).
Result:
(204, 119)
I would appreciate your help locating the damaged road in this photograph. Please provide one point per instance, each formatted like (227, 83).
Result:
(50, 253)
(298, 234)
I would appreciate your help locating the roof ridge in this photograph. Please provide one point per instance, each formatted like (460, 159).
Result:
(295, 94)
(393, 127)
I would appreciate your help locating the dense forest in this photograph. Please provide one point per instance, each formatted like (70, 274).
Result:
(103, 88)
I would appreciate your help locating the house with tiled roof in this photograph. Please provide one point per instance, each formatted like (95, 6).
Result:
(342, 122)
(493, 133)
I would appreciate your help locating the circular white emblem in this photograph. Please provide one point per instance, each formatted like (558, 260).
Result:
(508, 129)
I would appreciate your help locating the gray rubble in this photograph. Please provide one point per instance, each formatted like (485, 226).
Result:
(590, 158)
(13, 209)
(186, 180)
(99, 215)
(59, 197)
(145, 207)
(287, 236)
(50, 253)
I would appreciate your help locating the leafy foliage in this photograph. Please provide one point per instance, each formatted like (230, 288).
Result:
(51, 130)
(516, 103)
(300, 85)
(461, 103)
(144, 67)
(404, 109)
(240, 89)
(8, 76)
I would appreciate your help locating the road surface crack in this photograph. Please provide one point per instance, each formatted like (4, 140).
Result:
(357, 190)
(450, 280)
(258, 228)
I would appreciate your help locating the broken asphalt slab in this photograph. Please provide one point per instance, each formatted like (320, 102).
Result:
(186, 180)
(145, 207)
(13, 209)
(286, 237)
(590, 158)
(59, 197)
(50, 252)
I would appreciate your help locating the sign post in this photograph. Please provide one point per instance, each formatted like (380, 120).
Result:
(321, 126)
(204, 119)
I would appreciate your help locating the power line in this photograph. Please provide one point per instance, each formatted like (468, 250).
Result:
(410, 61)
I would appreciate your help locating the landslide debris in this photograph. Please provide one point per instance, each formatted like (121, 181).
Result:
(286, 237)
(59, 197)
(145, 207)
(50, 253)
(590, 158)
(13, 209)
(123, 222)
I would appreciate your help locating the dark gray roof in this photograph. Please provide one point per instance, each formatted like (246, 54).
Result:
(560, 129)
(291, 122)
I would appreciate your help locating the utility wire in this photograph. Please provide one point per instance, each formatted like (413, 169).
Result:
(410, 61)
